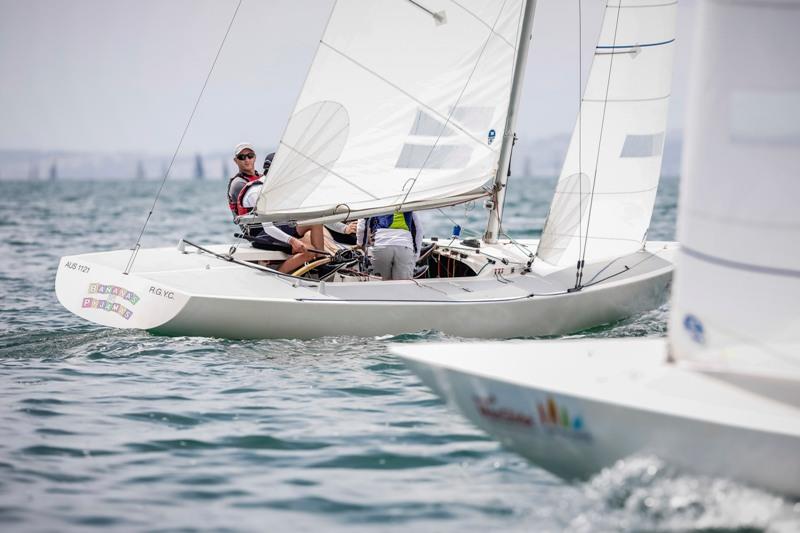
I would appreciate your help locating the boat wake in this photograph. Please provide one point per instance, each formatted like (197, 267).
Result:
(644, 493)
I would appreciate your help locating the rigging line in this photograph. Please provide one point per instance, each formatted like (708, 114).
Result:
(448, 217)
(580, 145)
(599, 143)
(436, 16)
(627, 269)
(521, 247)
(455, 106)
(276, 273)
(136, 247)
(606, 267)
(483, 22)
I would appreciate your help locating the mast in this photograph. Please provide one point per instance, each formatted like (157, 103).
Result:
(496, 213)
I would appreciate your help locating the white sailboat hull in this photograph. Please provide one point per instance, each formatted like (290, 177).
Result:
(576, 407)
(175, 293)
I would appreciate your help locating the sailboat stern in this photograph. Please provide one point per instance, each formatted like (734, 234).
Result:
(106, 296)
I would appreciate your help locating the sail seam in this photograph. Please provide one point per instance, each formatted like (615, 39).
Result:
(640, 191)
(646, 5)
(738, 265)
(283, 184)
(623, 239)
(744, 222)
(778, 6)
(420, 102)
(626, 100)
(646, 45)
(485, 24)
(301, 154)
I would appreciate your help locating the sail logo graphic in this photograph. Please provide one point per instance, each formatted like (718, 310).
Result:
(487, 408)
(549, 416)
(557, 419)
(694, 328)
(492, 135)
(110, 304)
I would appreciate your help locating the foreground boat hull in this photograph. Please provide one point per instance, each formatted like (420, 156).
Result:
(201, 295)
(576, 407)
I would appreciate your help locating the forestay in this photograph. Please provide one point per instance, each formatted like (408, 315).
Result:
(605, 193)
(405, 104)
(737, 290)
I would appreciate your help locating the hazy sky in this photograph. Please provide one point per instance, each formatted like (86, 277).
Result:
(114, 75)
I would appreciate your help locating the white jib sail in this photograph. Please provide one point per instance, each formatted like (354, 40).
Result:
(736, 299)
(605, 193)
(405, 103)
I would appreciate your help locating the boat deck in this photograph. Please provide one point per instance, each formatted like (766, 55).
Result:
(630, 373)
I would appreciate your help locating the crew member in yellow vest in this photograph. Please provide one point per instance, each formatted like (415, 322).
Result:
(393, 242)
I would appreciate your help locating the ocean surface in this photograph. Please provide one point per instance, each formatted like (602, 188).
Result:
(106, 429)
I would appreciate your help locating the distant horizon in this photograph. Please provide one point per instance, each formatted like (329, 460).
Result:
(670, 133)
(544, 156)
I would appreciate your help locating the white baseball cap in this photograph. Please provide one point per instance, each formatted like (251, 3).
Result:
(242, 146)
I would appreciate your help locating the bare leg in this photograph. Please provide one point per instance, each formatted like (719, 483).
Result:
(295, 262)
(317, 237)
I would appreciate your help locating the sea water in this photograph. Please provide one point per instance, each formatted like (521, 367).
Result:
(108, 429)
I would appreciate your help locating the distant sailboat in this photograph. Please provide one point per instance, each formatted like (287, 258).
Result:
(720, 395)
(226, 173)
(199, 171)
(53, 173)
(386, 123)
(140, 173)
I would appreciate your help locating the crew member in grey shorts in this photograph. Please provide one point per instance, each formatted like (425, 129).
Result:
(394, 242)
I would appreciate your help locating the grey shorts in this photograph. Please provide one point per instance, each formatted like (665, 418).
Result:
(393, 262)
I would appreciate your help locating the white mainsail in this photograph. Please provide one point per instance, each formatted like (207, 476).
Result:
(605, 193)
(409, 109)
(737, 286)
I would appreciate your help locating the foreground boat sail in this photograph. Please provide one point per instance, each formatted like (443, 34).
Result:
(721, 395)
(384, 124)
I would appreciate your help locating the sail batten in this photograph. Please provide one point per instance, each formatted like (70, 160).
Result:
(385, 118)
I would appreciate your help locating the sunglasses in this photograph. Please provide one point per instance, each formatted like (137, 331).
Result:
(242, 157)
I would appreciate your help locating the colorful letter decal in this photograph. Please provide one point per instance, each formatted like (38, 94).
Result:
(113, 292)
(98, 288)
